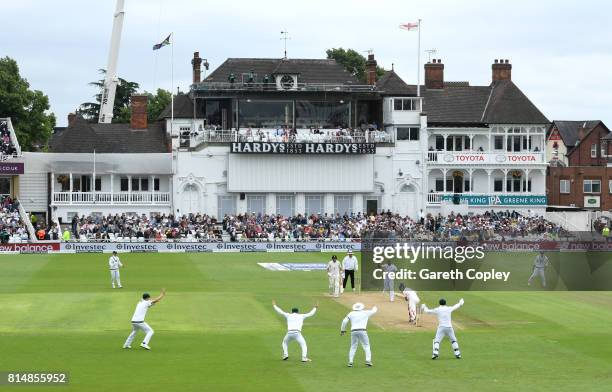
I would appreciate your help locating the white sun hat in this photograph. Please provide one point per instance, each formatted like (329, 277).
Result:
(358, 306)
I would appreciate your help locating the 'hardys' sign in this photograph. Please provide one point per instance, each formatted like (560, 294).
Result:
(302, 148)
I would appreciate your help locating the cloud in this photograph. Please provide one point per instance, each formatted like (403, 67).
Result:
(559, 49)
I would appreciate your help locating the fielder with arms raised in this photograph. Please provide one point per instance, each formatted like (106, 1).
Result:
(359, 322)
(138, 320)
(445, 326)
(295, 320)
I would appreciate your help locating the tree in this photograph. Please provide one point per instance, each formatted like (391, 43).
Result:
(28, 109)
(156, 103)
(91, 110)
(353, 62)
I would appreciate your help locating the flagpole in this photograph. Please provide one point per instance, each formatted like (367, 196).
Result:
(172, 79)
(419, 62)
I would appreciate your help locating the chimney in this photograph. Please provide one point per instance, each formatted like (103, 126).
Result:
(371, 70)
(196, 65)
(139, 112)
(71, 118)
(502, 70)
(582, 131)
(434, 74)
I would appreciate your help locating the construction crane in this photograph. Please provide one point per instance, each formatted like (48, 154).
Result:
(107, 101)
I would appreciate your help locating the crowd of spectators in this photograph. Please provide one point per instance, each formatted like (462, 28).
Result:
(260, 227)
(194, 227)
(12, 228)
(6, 145)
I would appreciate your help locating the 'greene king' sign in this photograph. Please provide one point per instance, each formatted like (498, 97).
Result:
(302, 148)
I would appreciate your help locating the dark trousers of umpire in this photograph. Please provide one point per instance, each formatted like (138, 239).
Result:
(348, 273)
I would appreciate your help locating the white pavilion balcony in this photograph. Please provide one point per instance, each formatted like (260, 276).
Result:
(108, 198)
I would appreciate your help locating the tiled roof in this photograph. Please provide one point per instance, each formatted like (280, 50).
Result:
(84, 137)
(308, 70)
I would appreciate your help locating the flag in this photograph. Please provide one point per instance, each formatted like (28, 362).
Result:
(409, 26)
(163, 43)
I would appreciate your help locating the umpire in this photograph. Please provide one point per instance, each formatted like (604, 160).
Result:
(349, 265)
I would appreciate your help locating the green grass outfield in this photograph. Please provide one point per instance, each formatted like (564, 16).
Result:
(216, 330)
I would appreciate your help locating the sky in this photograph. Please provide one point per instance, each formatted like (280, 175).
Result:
(561, 51)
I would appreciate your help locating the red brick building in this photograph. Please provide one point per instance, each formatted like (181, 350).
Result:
(579, 174)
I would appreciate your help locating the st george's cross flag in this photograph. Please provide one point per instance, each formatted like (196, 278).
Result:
(409, 26)
(163, 43)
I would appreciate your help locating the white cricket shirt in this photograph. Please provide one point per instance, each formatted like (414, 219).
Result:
(294, 320)
(358, 319)
(333, 268)
(141, 310)
(349, 263)
(444, 313)
(114, 263)
(412, 296)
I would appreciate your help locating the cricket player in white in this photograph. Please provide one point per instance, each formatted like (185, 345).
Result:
(333, 272)
(138, 320)
(539, 268)
(413, 301)
(359, 323)
(114, 264)
(389, 279)
(445, 326)
(295, 321)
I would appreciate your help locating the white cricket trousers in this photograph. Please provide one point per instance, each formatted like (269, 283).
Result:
(297, 336)
(360, 336)
(540, 273)
(115, 277)
(334, 285)
(143, 327)
(412, 310)
(440, 334)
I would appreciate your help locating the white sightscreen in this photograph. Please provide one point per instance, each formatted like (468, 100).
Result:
(300, 173)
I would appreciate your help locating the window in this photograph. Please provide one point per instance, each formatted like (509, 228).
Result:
(405, 104)
(610, 185)
(124, 186)
(314, 205)
(439, 185)
(226, 206)
(285, 205)
(156, 184)
(593, 150)
(98, 184)
(343, 204)
(256, 204)
(498, 142)
(466, 185)
(439, 142)
(144, 184)
(408, 133)
(603, 151)
(5, 186)
(498, 185)
(564, 186)
(135, 184)
(591, 186)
